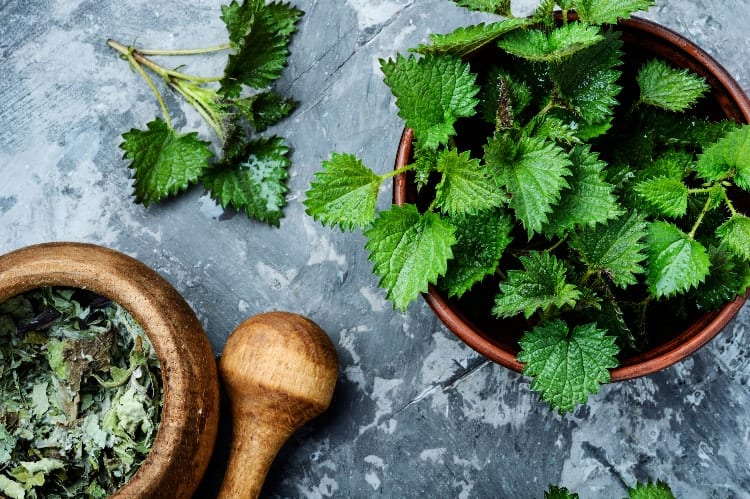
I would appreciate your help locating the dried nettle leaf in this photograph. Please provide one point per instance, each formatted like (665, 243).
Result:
(80, 395)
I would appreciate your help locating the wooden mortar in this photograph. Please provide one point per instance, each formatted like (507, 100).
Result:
(189, 421)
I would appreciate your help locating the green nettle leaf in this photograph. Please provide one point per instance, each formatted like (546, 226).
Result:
(238, 18)
(481, 240)
(650, 490)
(609, 11)
(469, 38)
(431, 93)
(560, 43)
(676, 262)
(735, 234)
(567, 365)
(615, 249)
(409, 251)
(345, 193)
(499, 7)
(269, 26)
(425, 162)
(587, 83)
(264, 109)
(163, 161)
(669, 196)
(555, 128)
(559, 493)
(729, 156)
(540, 286)
(465, 187)
(589, 200)
(668, 88)
(257, 185)
(728, 279)
(533, 170)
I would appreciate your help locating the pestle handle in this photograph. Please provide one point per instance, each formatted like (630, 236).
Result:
(279, 370)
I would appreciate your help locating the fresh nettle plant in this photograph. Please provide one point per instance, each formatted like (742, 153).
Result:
(641, 490)
(250, 171)
(591, 205)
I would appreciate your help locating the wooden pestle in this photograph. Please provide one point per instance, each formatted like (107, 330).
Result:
(279, 370)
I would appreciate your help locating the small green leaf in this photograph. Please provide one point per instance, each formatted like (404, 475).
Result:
(431, 93)
(609, 11)
(588, 200)
(238, 18)
(264, 25)
(163, 161)
(676, 262)
(465, 187)
(669, 196)
(425, 162)
(567, 365)
(533, 170)
(587, 83)
(730, 156)
(503, 97)
(257, 185)
(540, 286)
(657, 490)
(728, 279)
(559, 493)
(409, 251)
(615, 248)
(668, 88)
(735, 234)
(560, 43)
(345, 193)
(481, 240)
(264, 109)
(467, 39)
(499, 7)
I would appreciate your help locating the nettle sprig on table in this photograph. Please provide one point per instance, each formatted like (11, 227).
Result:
(250, 171)
(589, 206)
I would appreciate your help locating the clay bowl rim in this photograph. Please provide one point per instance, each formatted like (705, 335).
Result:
(190, 401)
(683, 345)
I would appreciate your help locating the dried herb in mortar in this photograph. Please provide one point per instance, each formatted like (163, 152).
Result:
(80, 395)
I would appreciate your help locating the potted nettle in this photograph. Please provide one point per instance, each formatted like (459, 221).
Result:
(570, 192)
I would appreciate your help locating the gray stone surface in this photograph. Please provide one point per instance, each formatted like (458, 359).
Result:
(415, 413)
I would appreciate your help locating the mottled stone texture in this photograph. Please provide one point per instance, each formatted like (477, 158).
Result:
(415, 413)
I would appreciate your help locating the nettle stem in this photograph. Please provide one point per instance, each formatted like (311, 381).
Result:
(163, 105)
(194, 51)
(139, 56)
(699, 220)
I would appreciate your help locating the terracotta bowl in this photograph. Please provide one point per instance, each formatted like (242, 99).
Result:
(187, 432)
(641, 39)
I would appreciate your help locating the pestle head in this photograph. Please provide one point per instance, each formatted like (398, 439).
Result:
(279, 370)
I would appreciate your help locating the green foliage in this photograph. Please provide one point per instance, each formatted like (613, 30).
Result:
(256, 185)
(537, 45)
(651, 490)
(676, 262)
(164, 162)
(481, 240)
(729, 157)
(249, 173)
(669, 88)
(592, 208)
(345, 193)
(465, 187)
(466, 39)
(555, 492)
(609, 11)
(500, 7)
(409, 250)
(533, 170)
(541, 285)
(251, 25)
(567, 365)
(431, 93)
(588, 200)
(615, 249)
(668, 195)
